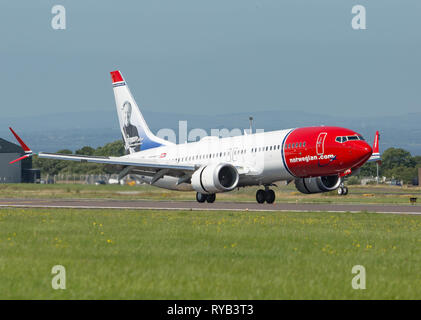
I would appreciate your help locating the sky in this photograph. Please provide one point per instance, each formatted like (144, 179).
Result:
(212, 56)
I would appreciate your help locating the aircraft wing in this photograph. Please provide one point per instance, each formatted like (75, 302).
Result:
(157, 168)
(171, 169)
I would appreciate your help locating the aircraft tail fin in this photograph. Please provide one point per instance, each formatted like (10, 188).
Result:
(136, 134)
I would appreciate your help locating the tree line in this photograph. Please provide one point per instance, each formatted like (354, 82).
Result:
(53, 167)
(397, 163)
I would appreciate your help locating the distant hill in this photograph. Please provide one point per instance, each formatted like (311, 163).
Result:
(95, 128)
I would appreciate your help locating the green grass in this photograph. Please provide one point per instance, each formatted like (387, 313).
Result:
(357, 194)
(120, 254)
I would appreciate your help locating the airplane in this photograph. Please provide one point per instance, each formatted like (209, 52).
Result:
(316, 158)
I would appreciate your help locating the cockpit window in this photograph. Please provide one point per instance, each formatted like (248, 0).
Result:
(350, 138)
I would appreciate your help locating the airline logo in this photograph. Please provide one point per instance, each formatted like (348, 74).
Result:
(312, 158)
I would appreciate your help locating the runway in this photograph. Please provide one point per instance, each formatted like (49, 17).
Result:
(193, 205)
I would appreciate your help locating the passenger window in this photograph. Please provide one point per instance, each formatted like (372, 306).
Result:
(304, 144)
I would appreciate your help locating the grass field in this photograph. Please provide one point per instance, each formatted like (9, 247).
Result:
(207, 255)
(357, 194)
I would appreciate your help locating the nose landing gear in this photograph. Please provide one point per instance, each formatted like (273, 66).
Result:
(267, 195)
(342, 190)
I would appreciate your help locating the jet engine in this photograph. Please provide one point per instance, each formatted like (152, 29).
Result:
(215, 178)
(317, 184)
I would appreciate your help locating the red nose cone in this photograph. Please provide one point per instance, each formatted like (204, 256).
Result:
(362, 151)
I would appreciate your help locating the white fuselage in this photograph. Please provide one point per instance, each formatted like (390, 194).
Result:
(259, 156)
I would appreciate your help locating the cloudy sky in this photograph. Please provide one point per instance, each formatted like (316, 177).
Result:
(212, 56)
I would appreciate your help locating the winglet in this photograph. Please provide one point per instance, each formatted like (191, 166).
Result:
(22, 144)
(376, 143)
(376, 153)
(19, 159)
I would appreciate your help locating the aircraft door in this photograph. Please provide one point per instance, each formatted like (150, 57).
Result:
(320, 144)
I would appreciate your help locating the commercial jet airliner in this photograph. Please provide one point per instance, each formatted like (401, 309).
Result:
(315, 158)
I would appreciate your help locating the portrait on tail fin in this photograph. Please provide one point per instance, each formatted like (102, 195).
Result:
(132, 141)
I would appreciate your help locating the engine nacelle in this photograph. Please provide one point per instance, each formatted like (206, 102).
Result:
(317, 184)
(215, 178)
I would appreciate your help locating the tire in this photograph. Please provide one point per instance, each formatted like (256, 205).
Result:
(211, 198)
(200, 197)
(345, 191)
(340, 191)
(270, 196)
(260, 196)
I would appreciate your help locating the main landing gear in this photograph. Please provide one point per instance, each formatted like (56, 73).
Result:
(267, 195)
(201, 197)
(342, 190)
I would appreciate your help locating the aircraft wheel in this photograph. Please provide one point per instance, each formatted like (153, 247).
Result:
(260, 196)
(345, 191)
(340, 191)
(270, 196)
(200, 197)
(211, 198)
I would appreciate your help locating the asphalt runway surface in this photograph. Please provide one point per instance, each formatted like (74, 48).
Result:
(193, 205)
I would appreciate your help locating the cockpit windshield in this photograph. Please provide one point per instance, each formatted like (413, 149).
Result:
(349, 138)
